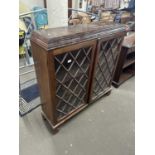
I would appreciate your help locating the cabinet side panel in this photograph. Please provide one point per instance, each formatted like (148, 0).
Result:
(119, 65)
(41, 68)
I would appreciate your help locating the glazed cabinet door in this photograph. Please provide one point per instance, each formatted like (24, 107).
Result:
(105, 63)
(72, 73)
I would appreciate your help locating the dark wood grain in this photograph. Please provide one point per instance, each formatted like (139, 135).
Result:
(63, 36)
(42, 74)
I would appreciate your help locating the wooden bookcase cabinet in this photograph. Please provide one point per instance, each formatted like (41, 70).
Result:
(72, 76)
(125, 68)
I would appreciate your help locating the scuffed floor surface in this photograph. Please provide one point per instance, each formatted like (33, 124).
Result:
(105, 128)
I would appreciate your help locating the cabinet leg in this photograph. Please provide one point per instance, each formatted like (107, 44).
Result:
(108, 93)
(115, 84)
(54, 131)
(49, 125)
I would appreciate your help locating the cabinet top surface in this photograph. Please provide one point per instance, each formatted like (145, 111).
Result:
(54, 37)
(66, 31)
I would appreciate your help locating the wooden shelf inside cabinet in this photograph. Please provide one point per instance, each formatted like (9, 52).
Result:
(128, 62)
(125, 67)
(74, 67)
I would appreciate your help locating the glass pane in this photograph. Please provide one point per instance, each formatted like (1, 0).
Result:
(71, 70)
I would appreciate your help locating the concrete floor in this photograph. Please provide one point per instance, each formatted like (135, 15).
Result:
(105, 128)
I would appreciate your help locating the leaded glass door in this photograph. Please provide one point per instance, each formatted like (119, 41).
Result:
(106, 57)
(73, 67)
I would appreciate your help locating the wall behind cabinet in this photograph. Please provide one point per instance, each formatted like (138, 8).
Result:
(57, 13)
(27, 5)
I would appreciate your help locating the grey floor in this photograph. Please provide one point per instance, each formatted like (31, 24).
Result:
(105, 128)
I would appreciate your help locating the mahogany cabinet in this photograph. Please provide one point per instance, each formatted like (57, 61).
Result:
(125, 68)
(74, 67)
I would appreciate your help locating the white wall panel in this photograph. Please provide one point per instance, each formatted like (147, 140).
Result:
(57, 13)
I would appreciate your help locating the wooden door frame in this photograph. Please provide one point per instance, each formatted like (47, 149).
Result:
(99, 41)
(69, 6)
(45, 3)
(55, 52)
